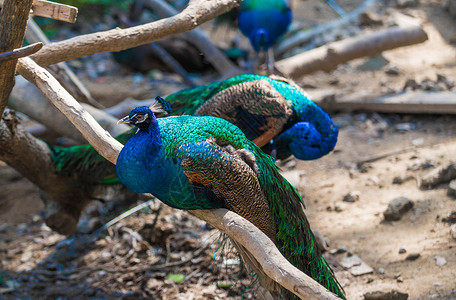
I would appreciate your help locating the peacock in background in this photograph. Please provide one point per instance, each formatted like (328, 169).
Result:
(274, 113)
(263, 22)
(206, 163)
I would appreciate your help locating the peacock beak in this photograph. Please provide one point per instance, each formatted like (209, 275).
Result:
(125, 119)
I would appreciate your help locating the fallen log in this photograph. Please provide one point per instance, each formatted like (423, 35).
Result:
(327, 57)
(417, 102)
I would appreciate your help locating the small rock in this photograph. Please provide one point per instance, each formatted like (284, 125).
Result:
(352, 196)
(397, 208)
(402, 250)
(440, 260)
(349, 261)
(398, 180)
(338, 208)
(439, 175)
(369, 18)
(381, 295)
(362, 269)
(448, 82)
(453, 231)
(413, 256)
(392, 70)
(338, 250)
(451, 218)
(411, 84)
(381, 271)
(452, 189)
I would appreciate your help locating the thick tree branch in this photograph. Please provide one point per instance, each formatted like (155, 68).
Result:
(196, 13)
(13, 20)
(327, 57)
(61, 70)
(265, 252)
(242, 231)
(100, 139)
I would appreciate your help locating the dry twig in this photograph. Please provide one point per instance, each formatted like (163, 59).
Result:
(21, 52)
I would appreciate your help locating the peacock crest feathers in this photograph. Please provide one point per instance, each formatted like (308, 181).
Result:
(160, 107)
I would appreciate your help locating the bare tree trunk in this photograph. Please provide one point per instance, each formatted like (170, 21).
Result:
(13, 20)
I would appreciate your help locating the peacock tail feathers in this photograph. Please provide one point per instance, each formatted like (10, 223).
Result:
(83, 162)
(294, 238)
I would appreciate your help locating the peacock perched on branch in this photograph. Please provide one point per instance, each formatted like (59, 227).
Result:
(265, 109)
(205, 163)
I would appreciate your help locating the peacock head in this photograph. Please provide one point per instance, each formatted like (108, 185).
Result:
(142, 116)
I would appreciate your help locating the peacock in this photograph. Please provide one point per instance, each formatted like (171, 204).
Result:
(206, 162)
(263, 22)
(266, 109)
(271, 111)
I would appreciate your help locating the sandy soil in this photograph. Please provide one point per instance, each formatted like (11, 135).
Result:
(372, 151)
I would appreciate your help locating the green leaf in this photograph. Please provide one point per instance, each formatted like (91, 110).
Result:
(224, 284)
(176, 277)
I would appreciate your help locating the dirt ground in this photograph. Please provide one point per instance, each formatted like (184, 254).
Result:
(379, 157)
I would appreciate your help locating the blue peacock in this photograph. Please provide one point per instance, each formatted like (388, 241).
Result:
(264, 21)
(272, 112)
(205, 163)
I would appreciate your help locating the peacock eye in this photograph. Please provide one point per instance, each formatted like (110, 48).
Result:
(139, 117)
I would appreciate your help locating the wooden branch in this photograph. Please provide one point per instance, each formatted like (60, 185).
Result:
(61, 71)
(419, 102)
(327, 57)
(198, 38)
(304, 35)
(27, 99)
(64, 199)
(260, 246)
(100, 139)
(56, 11)
(52, 10)
(196, 13)
(21, 52)
(13, 20)
(265, 252)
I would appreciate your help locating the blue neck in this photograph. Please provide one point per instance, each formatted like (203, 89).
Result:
(261, 40)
